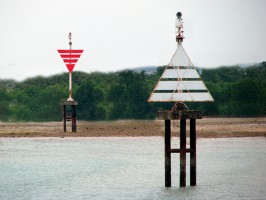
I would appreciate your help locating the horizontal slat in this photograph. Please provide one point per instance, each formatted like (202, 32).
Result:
(180, 73)
(182, 114)
(178, 150)
(181, 97)
(180, 85)
(70, 60)
(70, 55)
(70, 51)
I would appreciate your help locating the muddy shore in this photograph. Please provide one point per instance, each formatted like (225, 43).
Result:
(206, 127)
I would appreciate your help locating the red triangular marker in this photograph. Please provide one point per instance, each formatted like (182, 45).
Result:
(70, 67)
(70, 57)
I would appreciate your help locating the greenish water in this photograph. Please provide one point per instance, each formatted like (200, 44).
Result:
(128, 168)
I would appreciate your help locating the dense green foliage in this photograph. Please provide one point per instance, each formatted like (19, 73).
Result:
(237, 91)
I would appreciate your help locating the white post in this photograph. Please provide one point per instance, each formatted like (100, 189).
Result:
(70, 87)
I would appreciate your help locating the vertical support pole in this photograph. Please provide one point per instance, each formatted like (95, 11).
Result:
(70, 88)
(64, 116)
(74, 118)
(167, 153)
(193, 152)
(182, 152)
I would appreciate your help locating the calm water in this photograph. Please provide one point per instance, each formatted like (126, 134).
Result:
(128, 168)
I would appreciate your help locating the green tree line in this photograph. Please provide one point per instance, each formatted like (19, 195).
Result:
(237, 91)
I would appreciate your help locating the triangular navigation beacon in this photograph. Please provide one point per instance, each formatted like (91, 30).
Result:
(70, 57)
(180, 81)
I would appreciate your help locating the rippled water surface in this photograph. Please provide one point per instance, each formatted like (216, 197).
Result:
(128, 168)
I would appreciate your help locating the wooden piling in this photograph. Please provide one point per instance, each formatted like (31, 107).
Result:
(64, 117)
(193, 152)
(182, 115)
(167, 153)
(74, 118)
(70, 116)
(182, 152)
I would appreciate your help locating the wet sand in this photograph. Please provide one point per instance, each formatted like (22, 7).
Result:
(206, 127)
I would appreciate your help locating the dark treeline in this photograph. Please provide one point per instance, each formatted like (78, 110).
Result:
(237, 91)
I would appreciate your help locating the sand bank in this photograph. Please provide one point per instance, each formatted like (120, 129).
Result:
(206, 127)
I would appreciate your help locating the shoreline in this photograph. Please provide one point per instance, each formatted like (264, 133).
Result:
(206, 128)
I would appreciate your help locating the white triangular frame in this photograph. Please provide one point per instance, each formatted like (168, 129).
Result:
(193, 89)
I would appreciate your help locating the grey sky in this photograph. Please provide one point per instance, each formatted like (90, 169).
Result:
(118, 34)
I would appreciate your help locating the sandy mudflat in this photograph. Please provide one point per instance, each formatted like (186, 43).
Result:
(206, 127)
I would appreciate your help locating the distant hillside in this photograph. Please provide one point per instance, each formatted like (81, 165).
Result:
(146, 69)
(237, 91)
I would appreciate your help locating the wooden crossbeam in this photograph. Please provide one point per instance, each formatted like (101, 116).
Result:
(178, 150)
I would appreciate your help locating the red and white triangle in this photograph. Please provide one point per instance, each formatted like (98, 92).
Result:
(70, 57)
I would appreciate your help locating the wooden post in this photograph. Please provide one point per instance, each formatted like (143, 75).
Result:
(182, 152)
(64, 116)
(193, 152)
(74, 118)
(167, 153)
(183, 115)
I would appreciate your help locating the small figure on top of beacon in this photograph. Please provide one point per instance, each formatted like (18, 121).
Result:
(179, 28)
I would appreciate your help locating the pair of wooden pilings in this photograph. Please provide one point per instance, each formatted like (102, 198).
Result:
(168, 115)
(72, 116)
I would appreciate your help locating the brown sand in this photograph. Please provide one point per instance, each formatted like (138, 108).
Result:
(206, 127)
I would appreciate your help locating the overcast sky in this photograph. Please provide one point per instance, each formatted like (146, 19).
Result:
(119, 34)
